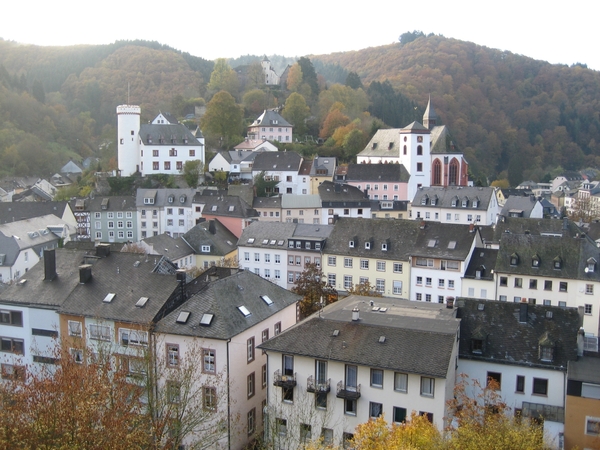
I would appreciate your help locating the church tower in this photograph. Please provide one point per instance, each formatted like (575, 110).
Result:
(128, 148)
(430, 117)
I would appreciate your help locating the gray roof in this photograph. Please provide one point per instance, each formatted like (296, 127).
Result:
(130, 276)
(222, 299)
(445, 195)
(277, 161)
(300, 201)
(383, 143)
(407, 328)
(444, 240)
(116, 203)
(514, 203)
(38, 292)
(307, 230)
(168, 135)
(572, 254)
(71, 167)
(442, 142)
(269, 118)
(212, 233)
(267, 202)
(224, 205)
(11, 211)
(391, 173)
(321, 163)
(520, 225)
(340, 195)
(508, 341)
(172, 248)
(586, 370)
(484, 261)
(270, 231)
(162, 197)
(397, 205)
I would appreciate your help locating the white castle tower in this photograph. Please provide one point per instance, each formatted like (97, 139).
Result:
(128, 148)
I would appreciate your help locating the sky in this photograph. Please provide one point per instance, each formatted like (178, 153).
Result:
(549, 31)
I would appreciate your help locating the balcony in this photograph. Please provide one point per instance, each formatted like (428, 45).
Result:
(284, 381)
(321, 386)
(347, 392)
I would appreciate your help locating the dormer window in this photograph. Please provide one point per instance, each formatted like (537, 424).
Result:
(424, 200)
(171, 199)
(514, 259)
(477, 346)
(368, 245)
(557, 263)
(434, 201)
(182, 199)
(590, 265)
(351, 244)
(454, 202)
(384, 247)
(465, 202)
(535, 261)
(546, 353)
(475, 202)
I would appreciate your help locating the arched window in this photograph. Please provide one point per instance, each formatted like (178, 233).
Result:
(437, 173)
(419, 149)
(405, 149)
(453, 173)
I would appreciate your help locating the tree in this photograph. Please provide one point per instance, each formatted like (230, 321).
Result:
(353, 81)
(364, 288)
(263, 187)
(224, 78)
(296, 111)
(309, 75)
(294, 79)
(255, 101)
(192, 170)
(314, 289)
(222, 122)
(334, 119)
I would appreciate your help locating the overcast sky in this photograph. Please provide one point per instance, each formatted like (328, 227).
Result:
(563, 32)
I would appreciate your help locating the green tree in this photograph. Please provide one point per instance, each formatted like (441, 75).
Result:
(314, 289)
(296, 111)
(255, 77)
(255, 101)
(353, 81)
(222, 123)
(192, 170)
(262, 186)
(354, 143)
(224, 78)
(309, 75)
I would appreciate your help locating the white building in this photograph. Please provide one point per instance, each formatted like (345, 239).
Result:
(165, 211)
(359, 358)
(162, 146)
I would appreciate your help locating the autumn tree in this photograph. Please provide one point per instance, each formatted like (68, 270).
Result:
(255, 77)
(336, 118)
(364, 288)
(294, 79)
(296, 111)
(314, 289)
(192, 170)
(222, 123)
(224, 78)
(255, 101)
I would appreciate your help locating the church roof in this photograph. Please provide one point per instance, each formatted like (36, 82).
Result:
(441, 141)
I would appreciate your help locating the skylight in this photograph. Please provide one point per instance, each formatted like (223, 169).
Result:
(452, 245)
(183, 317)
(109, 297)
(141, 302)
(431, 243)
(279, 242)
(251, 241)
(336, 333)
(265, 241)
(381, 339)
(206, 319)
(272, 242)
(266, 299)
(244, 310)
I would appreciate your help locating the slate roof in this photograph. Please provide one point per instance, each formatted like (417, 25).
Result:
(213, 233)
(397, 205)
(129, 276)
(513, 203)
(167, 134)
(383, 143)
(269, 118)
(38, 292)
(407, 328)
(270, 231)
(71, 167)
(586, 370)
(277, 161)
(327, 163)
(520, 225)
(451, 241)
(573, 254)
(484, 261)
(161, 197)
(267, 202)
(222, 299)
(391, 173)
(508, 341)
(442, 142)
(339, 195)
(225, 205)
(445, 195)
(300, 201)
(11, 211)
(172, 248)
(305, 168)
(115, 203)
(255, 145)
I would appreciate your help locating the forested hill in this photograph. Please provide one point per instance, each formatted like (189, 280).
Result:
(506, 111)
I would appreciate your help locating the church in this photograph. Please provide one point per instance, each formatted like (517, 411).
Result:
(426, 150)
(161, 146)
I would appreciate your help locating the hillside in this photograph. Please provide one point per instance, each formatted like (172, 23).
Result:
(506, 111)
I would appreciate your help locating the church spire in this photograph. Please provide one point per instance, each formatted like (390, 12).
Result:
(430, 117)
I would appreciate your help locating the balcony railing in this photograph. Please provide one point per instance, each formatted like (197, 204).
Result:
(284, 381)
(318, 386)
(347, 392)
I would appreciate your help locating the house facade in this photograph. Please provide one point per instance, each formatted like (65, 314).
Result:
(165, 211)
(113, 219)
(271, 126)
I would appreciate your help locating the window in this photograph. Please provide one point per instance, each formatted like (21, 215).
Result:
(167, 165)
(520, 388)
(77, 355)
(562, 287)
(331, 279)
(173, 392)
(281, 427)
(208, 360)
(347, 281)
(11, 318)
(428, 297)
(397, 267)
(251, 421)
(277, 274)
(448, 216)
(209, 398)
(587, 308)
(427, 386)
(12, 372)
(399, 414)
(331, 260)
(397, 285)
(381, 266)
(172, 355)
(540, 386)
(348, 262)
(589, 289)
(250, 385)
(496, 377)
(548, 285)
(450, 284)
(277, 259)
(74, 328)
(377, 378)
(305, 432)
(375, 409)
(264, 376)
(592, 426)
(419, 167)
(419, 281)
(133, 337)
(257, 257)
(11, 345)
(350, 407)
(428, 282)
(364, 263)
(100, 332)
(401, 382)
(246, 256)
(250, 348)
(277, 328)
(419, 296)
(518, 282)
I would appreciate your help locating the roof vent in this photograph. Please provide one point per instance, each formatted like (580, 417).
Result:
(381, 339)
(335, 333)
(355, 314)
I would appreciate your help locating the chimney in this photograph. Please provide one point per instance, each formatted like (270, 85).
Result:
(449, 302)
(471, 227)
(580, 336)
(49, 265)
(523, 312)
(355, 314)
(85, 273)
(103, 250)
(211, 227)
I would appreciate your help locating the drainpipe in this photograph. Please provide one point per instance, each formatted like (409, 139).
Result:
(228, 398)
